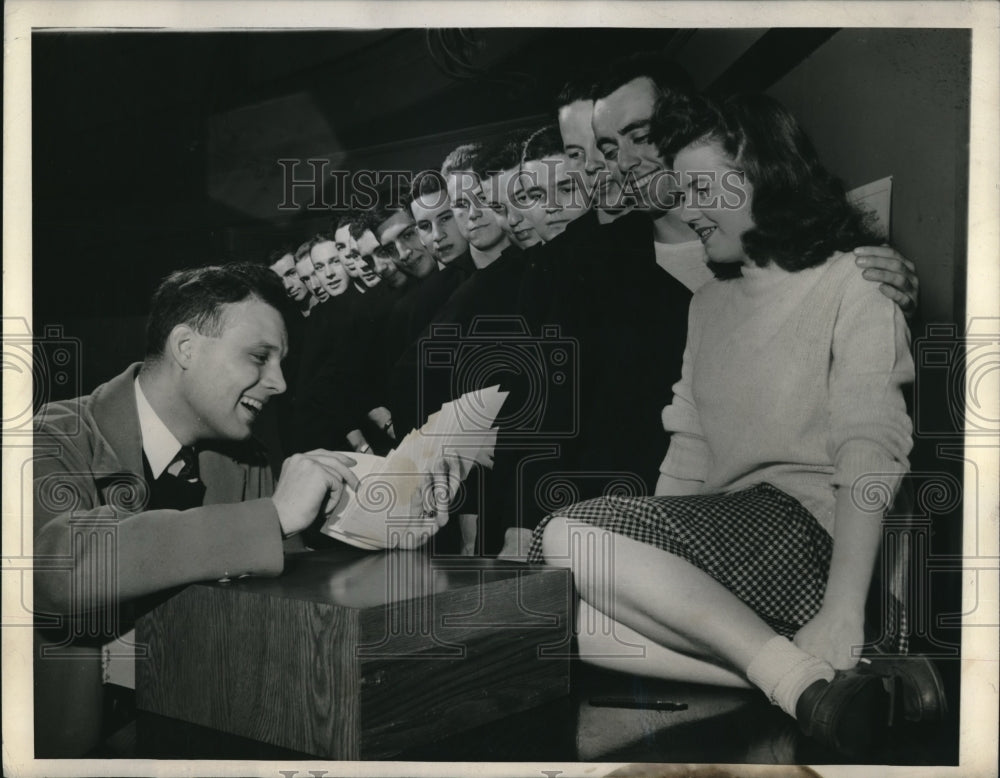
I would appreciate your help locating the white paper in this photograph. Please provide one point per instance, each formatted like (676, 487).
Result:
(393, 499)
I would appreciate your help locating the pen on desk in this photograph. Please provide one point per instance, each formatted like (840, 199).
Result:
(644, 703)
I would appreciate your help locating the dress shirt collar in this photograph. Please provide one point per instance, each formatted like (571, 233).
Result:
(685, 262)
(158, 443)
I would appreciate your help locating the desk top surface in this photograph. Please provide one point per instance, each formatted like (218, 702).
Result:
(349, 578)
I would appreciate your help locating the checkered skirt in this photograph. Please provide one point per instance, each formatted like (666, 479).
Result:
(759, 543)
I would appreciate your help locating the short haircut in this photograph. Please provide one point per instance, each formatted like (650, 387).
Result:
(355, 221)
(321, 237)
(343, 220)
(391, 198)
(505, 154)
(665, 74)
(544, 142)
(302, 252)
(427, 182)
(461, 158)
(275, 255)
(197, 296)
(432, 187)
(580, 88)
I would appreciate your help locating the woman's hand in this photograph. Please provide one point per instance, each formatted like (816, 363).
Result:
(834, 636)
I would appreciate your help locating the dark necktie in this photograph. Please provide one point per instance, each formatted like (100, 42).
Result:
(182, 491)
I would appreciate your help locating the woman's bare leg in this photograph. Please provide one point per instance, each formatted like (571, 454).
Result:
(657, 594)
(614, 646)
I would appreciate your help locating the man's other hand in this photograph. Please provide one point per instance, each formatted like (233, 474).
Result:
(311, 483)
(897, 274)
(434, 498)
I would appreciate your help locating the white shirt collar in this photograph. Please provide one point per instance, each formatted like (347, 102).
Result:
(158, 443)
(685, 262)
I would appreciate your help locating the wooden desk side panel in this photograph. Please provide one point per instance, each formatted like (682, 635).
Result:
(475, 656)
(264, 668)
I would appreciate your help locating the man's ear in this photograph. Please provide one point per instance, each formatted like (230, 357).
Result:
(181, 343)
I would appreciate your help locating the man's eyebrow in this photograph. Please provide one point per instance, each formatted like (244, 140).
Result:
(265, 344)
(638, 124)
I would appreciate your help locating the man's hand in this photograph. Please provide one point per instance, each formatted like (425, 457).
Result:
(898, 276)
(382, 418)
(431, 501)
(358, 442)
(310, 483)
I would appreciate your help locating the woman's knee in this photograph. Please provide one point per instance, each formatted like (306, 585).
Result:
(585, 550)
(556, 542)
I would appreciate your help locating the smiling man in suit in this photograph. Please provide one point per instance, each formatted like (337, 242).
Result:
(154, 481)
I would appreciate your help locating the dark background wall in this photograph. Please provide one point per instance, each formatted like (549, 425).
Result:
(895, 103)
(153, 151)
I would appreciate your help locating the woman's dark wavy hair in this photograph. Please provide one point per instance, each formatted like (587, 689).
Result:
(800, 210)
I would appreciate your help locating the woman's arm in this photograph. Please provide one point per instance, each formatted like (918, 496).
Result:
(869, 444)
(685, 467)
(836, 632)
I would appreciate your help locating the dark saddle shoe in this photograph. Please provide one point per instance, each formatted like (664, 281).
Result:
(915, 684)
(849, 714)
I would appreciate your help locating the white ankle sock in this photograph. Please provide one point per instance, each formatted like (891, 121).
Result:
(783, 671)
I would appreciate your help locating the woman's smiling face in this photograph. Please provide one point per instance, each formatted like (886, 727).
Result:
(717, 199)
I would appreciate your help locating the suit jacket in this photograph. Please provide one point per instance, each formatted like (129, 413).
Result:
(633, 347)
(97, 549)
(625, 321)
(320, 417)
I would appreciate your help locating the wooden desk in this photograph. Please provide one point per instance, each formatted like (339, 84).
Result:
(724, 726)
(355, 655)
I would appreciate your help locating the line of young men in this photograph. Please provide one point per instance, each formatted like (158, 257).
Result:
(546, 263)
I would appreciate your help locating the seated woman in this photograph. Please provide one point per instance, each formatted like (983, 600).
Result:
(789, 439)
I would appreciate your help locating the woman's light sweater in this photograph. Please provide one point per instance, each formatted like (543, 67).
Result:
(795, 379)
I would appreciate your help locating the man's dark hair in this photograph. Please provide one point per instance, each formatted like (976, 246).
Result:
(356, 222)
(461, 158)
(544, 142)
(274, 255)
(391, 198)
(666, 74)
(579, 88)
(800, 210)
(503, 155)
(430, 184)
(427, 182)
(196, 297)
